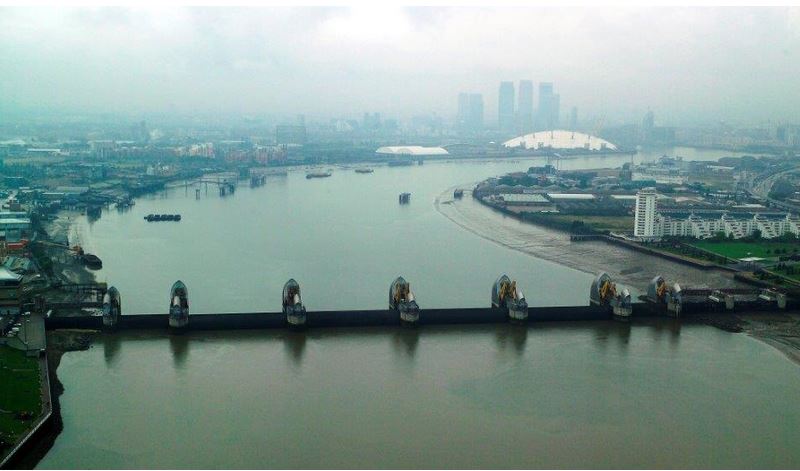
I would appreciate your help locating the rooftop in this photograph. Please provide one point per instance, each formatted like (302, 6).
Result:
(560, 139)
(411, 150)
(523, 198)
(570, 196)
(7, 276)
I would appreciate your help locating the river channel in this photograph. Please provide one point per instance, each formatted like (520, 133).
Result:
(602, 394)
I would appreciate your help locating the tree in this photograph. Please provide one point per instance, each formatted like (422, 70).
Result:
(781, 189)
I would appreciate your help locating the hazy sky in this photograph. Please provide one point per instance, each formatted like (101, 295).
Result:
(686, 64)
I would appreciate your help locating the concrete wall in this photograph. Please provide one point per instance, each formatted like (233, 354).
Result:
(267, 320)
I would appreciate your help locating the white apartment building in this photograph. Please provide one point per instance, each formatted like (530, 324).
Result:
(649, 224)
(644, 223)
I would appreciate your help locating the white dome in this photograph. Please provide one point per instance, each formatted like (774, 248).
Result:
(411, 150)
(560, 139)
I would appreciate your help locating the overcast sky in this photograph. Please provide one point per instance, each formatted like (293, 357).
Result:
(687, 65)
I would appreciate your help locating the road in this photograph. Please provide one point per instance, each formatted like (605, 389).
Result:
(762, 185)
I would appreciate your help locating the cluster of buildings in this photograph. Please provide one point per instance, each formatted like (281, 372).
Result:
(14, 225)
(515, 109)
(650, 224)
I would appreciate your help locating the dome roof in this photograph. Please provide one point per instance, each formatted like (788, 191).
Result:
(560, 139)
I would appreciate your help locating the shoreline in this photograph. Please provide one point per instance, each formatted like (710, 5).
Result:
(626, 265)
(780, 330)
(42, 440)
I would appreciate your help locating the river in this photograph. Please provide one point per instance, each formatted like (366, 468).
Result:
(344, 238)
(651, 394)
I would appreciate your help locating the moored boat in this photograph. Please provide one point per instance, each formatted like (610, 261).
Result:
(92, 261)
(162, 217)
(310, 175)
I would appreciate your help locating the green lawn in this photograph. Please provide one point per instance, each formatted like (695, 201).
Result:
(735, 249)
(789, 271)
(600, 223)
(19, 390)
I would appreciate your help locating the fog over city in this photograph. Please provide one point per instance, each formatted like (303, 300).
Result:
(691, 65)
(399, 237)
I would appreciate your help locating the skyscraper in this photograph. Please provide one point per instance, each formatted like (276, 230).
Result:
(463, 111)
(476, 112)
(505, 107)
(648, 123)
(470, 112)
(549, 104)
(555, 109)
(573, 119)
(525, 107)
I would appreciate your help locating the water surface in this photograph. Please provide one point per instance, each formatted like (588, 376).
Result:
(594, 394)
(344, 238)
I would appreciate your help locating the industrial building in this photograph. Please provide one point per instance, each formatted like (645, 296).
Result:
(14, 225)
(10, 283)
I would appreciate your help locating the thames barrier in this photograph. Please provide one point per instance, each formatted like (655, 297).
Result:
(508, 304)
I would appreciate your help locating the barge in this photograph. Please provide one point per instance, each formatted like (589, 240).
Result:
(311, 175)
(162, 217)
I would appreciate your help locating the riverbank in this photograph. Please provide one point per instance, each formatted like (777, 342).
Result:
(634, 269)
(779, 330)
(20, 404)
(63, 230)
(584, 233)
(49, 426)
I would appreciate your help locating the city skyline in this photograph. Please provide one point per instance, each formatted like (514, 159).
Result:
(587, 219)
(330, 62)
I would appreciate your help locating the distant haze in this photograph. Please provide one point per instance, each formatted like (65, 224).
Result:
(688, 65)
